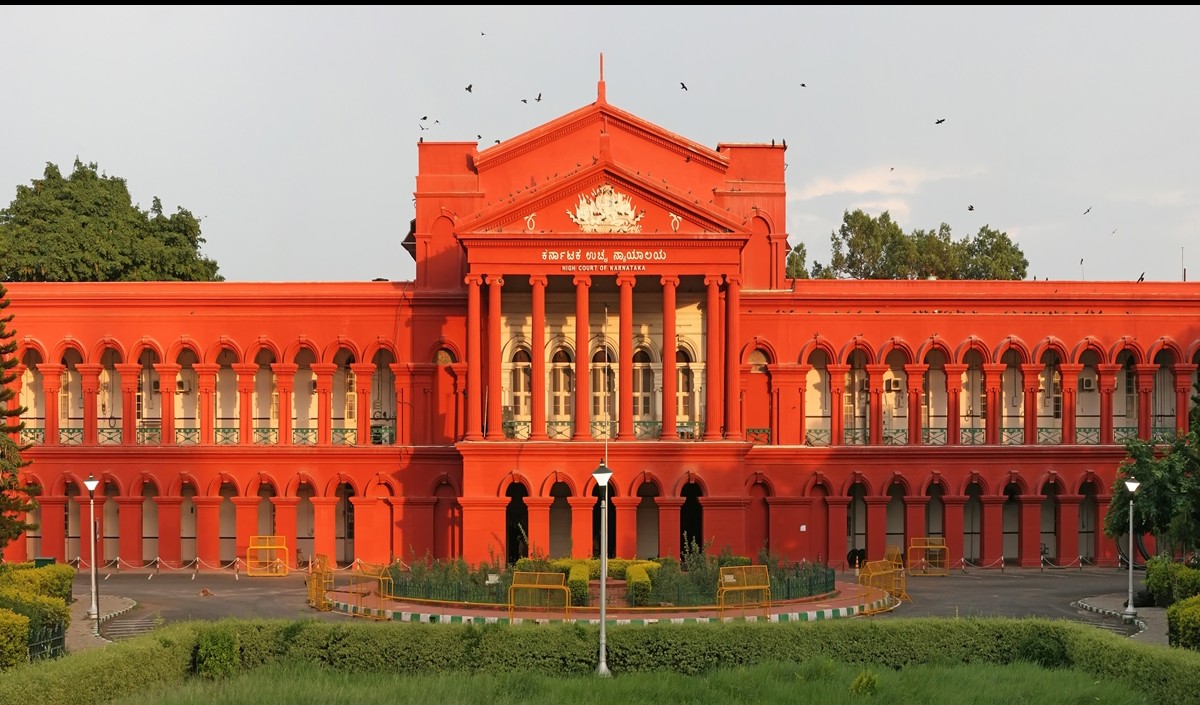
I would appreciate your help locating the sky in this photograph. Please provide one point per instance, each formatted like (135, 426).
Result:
(291, 132)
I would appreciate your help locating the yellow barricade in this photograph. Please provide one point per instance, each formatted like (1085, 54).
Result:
(928, 555)
(744, 586)
(370, 579)
(320, 582)
(539, 591)
(267, 555)
(894, 555)
(880, 575)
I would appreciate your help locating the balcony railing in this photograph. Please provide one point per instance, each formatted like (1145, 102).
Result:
(855, 436)
(647, 430)
(265, 436)
(689, 430)
(817, 437)
(226, 435)
(972, 436)
(1049, 436)
(560, 430)
(304, 436)
(1087, 436)
(602, 430)
(1122, 434)
(33, 436)
(149, 433)
(759, 436)
(345, 436)
(187, 436)
(70, 436)
(934, 436)
(383, 435)
(1012, 436)
(895, 436)
(517, 429)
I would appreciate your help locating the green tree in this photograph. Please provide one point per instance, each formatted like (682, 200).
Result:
(16, 499)
(1167, 501)
(795, 262)
(86, 228)
(877, 248)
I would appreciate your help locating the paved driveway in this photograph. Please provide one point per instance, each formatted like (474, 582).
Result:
(1014, 592)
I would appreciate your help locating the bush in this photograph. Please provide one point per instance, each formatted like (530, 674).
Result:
(1183, 624)
(217, 654)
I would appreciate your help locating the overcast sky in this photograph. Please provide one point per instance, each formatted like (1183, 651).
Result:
(291, 132)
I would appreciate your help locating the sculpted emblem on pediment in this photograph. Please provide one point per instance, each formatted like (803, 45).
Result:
(606, 212)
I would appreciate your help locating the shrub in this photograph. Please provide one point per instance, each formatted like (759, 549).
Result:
(217, 652)
(867, 683)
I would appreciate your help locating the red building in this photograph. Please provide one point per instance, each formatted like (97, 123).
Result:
(595, 288)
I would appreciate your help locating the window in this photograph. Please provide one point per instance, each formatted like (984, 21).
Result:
(603, 386)
(521, 383)
(643, 386)
(685, 386)
(562, 384)
(351, 396)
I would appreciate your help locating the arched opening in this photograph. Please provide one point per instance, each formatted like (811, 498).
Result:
(599, 493)
(516, 523)
(691, 517)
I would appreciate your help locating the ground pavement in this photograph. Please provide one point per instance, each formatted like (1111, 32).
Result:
(133, 601)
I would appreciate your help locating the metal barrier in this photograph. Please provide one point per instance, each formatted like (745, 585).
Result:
(880, 575)
(320, 582)
(744, 586)
(267, 556)
(928, 555)
(539, 591)
(368, 579)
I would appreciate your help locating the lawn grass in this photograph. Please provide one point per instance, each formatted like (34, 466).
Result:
(820, 682)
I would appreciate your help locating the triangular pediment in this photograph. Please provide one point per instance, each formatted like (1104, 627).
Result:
(603, 200)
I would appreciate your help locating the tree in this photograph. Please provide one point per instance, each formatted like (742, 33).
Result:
(877, 248)
(86, 228)
(16, 500)
(1167, 502)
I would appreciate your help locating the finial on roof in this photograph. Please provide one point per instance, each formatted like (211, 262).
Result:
(600, 91)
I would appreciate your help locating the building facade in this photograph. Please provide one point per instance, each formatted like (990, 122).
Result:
(597, 289)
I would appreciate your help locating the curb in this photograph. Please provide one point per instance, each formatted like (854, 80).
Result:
(444, 617)
(1083, 605)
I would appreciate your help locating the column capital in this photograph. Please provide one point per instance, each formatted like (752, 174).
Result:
(626, 278)
(538, 280)
(668, 280)
(733, 279)
(712, 280)
(582, 280)
(473, 279)
(495, 280)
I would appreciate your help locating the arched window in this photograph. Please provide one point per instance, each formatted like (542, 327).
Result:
(685, 387)
(603, 391)
(520, 382)
(643, 386)
(562, 385)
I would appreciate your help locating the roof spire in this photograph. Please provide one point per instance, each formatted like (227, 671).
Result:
(600, 90)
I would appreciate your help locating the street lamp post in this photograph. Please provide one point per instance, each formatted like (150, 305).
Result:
(1130, 611)
(602, 475)
(94, 611)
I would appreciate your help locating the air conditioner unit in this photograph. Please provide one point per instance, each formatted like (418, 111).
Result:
(154, 386)
(894, 385)
(1088, 384)
(314, 386)
(183, 386)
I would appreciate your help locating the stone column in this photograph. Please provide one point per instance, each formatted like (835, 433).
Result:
(583, 359)
(625, 359)
(733, 342)
(537, 430)
(669, 430)
(494, 395)
(712, 360)
(474, 355)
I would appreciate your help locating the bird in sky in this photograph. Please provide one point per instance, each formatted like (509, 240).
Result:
(804, 85)
(683, 85)
(424, 118)
(538, 99)
(936, 122)
(892, 169)
(524, 100)
(1089, 210)
(478, 137)
(497, 141)
(469, 87)
(1142, 277)
(971, 208)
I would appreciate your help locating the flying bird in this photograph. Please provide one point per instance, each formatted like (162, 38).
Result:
(538, 99)
(469, 87)
(1089, 210)
(683, 85)
(970, 208)
(524, 100)
(1142, 277)
(424, 118)
(804, 85)
(936, 122)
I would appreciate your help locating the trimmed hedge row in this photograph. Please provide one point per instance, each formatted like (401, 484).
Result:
(212, 650)
(40, 597)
